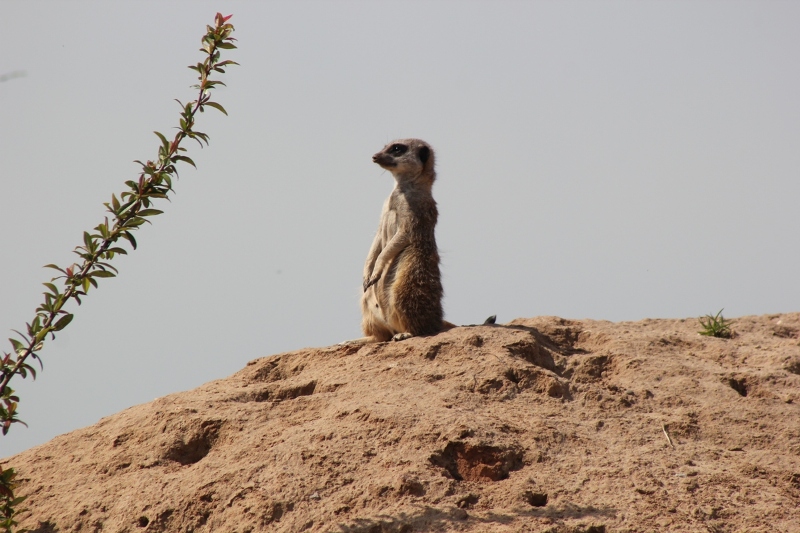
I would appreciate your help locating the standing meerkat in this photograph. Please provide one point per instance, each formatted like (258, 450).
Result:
(402, 283)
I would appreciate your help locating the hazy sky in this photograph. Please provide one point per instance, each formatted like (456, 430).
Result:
(605, 160)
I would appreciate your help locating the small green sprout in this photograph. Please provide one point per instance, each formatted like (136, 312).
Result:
(716, 326)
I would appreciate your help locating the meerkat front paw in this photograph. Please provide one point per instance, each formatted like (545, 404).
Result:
(370, 283)
(402, 336)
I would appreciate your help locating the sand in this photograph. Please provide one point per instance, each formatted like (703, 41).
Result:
(541, 425)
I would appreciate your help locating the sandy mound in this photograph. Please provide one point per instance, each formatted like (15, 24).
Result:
(541, 424)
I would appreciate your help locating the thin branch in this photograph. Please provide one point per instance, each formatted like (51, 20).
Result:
(664, 429)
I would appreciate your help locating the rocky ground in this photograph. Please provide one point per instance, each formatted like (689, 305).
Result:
(539, 425)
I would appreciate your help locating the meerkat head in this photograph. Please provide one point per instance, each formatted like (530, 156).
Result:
(408, 160)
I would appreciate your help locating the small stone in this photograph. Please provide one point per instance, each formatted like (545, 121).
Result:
(458, 514)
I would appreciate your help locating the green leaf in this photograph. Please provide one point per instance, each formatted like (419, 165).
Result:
(164, 140)
(130, 238)
(185, 159)
(102, 274)
(150, 212)
(85, 283)
(62, 322)
(106, 266)
(18, 346)
(134, 222)
(56, 267)
(52, 287)
(216, 106)
(40, 336)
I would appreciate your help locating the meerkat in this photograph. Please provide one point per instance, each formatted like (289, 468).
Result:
(402, 285)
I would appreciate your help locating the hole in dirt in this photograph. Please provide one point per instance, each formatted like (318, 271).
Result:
(142, 521)
(275, 368)
(561, 337)
(290, 393)
(411, 486)
(434, 350)
(45, 527)
(591, 368)
(564, 333)
(465, 462)
(274, 393)
(534, 379)
(535, 499)
(793, 366)
(261, 395)
(474, 340)
(197, 445)
(466, 502)
(533, 352)
(739, 385)
(490, 385)
(275, 512)
(786, 332)
(163, 520)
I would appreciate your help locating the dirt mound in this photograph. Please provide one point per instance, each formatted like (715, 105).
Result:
(541, 424)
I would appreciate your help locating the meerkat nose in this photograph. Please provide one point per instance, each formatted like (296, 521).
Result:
(375, 158)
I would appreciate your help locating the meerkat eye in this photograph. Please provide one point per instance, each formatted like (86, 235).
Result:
(398, 149)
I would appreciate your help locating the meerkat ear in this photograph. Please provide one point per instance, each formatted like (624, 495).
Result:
(424, 153)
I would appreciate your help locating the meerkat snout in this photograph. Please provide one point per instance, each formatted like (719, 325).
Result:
(387, 157)
(406, 159)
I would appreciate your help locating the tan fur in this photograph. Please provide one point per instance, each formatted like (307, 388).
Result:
(402, 283)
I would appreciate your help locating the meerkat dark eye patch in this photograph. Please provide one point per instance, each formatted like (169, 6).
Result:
(424, 153)
(398, 149)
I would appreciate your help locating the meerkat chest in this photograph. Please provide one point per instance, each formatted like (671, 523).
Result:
(389, 225)
(414, 213)
(393, 217)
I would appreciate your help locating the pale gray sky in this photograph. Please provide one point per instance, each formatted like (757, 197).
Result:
(606, 160)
